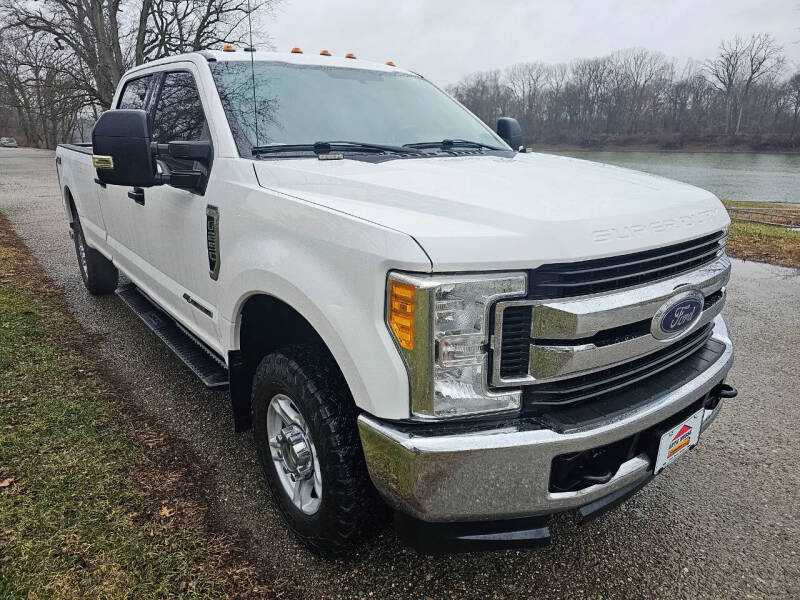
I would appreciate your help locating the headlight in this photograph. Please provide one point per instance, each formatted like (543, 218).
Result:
(441, 326)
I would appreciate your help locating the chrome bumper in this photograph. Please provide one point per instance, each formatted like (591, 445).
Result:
(505, 473)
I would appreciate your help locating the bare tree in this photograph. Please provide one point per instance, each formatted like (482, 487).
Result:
(725, 72)
(740, 64)
(637, 96)
(640, 69)
(526, 83)
(763, 58)
(793, 89)
(106, 44)
(175, 26)
(89, 28)
(37, 84)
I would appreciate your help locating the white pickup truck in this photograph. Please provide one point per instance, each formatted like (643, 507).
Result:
(406, 310)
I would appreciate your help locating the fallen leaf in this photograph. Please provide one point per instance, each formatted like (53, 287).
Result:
(166, 512)
(6, 482)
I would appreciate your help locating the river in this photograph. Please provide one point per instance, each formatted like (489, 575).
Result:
(746, 176)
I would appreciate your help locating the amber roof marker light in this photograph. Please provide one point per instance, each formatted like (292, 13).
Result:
(324, 53)
(349, 55)
(391, 63)
(296, 50)
(228, 48)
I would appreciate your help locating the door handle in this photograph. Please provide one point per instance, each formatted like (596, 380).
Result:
(100, 183)
(137, 195)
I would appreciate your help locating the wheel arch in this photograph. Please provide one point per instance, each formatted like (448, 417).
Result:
(263, 324)
(69, 204)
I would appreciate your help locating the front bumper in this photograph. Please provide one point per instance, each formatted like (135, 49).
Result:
(504, 472)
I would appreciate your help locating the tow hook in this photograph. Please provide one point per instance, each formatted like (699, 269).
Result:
(598, 479)
(723, 390)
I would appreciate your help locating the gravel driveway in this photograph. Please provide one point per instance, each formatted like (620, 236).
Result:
(722, 523)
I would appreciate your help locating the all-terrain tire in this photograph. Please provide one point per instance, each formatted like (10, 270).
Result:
(350, 507)
(99, 274)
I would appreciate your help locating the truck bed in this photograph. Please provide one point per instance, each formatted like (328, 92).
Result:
(83, 148)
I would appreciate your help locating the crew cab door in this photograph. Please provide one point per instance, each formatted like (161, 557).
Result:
(175, 221)
(123, 216)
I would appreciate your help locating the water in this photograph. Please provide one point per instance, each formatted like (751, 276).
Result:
(755, 177)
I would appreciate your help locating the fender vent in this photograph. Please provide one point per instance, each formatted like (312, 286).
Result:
(212, 240)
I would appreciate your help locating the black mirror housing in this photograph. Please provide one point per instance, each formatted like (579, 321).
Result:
(122, 154)
(510, 131)
(199, 150)
(187, 180)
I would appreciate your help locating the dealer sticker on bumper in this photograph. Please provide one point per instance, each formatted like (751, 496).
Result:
(678, 440)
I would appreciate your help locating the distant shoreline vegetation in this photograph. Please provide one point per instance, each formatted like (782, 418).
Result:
(735, 145)
(747, 98)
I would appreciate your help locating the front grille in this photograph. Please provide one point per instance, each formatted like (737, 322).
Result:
(564, 280)
(515, 345)
(613, 379)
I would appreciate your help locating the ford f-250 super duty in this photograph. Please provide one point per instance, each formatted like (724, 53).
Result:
(405, 309)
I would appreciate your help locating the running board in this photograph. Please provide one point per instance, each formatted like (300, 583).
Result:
(195, 354)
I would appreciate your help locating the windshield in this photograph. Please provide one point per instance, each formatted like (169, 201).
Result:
(301, 104)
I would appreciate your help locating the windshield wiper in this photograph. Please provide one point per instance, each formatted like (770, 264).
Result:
(448, 144)
(369, 146)
(335, 146)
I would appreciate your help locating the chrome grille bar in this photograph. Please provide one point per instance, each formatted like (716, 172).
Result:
(575, 319)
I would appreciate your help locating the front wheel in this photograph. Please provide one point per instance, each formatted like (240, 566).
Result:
(304, 424)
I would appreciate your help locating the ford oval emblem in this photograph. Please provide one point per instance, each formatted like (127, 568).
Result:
(677, 315)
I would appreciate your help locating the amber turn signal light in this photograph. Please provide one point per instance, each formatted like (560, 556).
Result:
(401, 313)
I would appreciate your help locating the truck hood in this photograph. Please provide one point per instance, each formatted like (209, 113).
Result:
(489, 212)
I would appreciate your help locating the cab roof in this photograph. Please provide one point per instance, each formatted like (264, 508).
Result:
(312, 59)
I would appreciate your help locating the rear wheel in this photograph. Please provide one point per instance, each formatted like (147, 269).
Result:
(304, 423)
(99, 274)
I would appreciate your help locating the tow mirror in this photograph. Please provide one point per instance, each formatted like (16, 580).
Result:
(186, 180)
(200, 150)
(510, 131)
(124, 154)
(121, 149)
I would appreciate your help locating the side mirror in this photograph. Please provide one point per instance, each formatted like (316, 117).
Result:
(510, 131)
(200, 150)
(121, 149)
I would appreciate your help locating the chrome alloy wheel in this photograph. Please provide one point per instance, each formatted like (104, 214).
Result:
(294, 454)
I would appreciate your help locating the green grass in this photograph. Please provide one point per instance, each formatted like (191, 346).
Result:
(756, 205)
(764, 243)
(80, 519)
(743, 228)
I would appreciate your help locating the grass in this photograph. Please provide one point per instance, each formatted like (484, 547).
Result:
(751, 240)
(734, 204)
(93, 503)
(764, 243)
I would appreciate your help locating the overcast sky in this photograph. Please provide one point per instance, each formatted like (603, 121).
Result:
(446, 39)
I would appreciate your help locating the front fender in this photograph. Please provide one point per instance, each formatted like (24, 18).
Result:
(331, 268)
